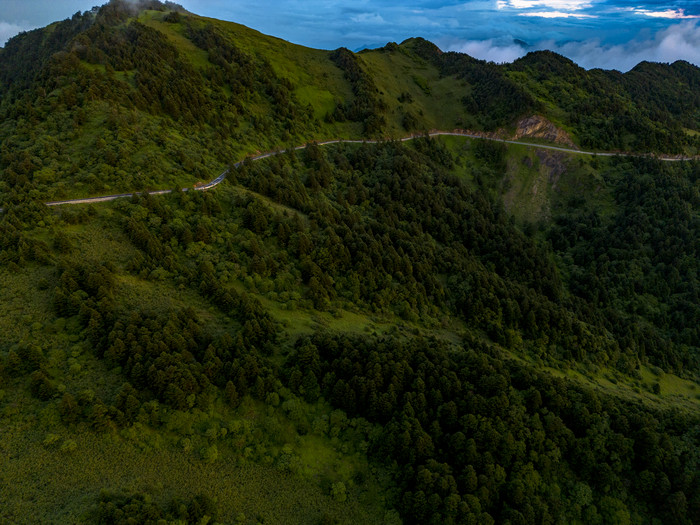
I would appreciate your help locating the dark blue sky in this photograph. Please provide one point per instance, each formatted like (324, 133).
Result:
(594, 33)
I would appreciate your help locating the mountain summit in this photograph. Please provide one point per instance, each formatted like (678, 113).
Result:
(189, 82)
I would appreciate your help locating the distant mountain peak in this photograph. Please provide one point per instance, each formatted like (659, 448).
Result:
(422, 47)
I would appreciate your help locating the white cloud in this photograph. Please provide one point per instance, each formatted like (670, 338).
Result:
(368, 18)
(8, 30)
(677, 14)
(548, 8)
(677, 42)
(490, 50)
(421, 21)
(556, 14)
(566, 5)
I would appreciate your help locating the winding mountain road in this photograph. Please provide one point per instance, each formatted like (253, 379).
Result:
(457, 133)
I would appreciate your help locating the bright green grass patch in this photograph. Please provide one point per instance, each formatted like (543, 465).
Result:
(196, 56)
(537, 183)
(100, 239)
(322, 100)
(276, 206)
(527, 187)
(433, 101)
(310, 70)
(26, 298)
(162, 297)
(671, 387)
(680, 393)
(75, 468)
(297, 320)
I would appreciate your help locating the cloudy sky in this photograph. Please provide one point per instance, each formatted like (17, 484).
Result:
(612, 34)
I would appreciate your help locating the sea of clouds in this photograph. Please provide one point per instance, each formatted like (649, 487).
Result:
(677, 42)
(591, 40)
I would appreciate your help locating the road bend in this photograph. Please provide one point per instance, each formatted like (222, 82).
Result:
(457, 133)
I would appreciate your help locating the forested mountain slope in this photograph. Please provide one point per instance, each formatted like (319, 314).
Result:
(443, 330)
(366, 316)
(129, 97)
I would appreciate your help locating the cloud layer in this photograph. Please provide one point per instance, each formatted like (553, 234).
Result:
(594, 33)
(8, 30)
(673, 14)
(680, 41)
(573, 5)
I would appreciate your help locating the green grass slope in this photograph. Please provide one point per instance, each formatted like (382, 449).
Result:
(443, 330)
(129, 97)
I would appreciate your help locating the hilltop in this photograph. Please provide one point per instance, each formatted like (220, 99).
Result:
(153, 96)
(440, 330)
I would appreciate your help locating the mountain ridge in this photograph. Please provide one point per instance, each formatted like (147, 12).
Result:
(376, 93)
(441, 330)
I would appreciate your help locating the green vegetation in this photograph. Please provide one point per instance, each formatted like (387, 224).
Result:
(123, 99)
(284, 324)
(434, 331)
(643, 110)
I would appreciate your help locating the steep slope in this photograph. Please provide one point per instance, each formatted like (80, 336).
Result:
(650, 108)
(434, 331)
(349, 330)
(150, 96)
(144, 102)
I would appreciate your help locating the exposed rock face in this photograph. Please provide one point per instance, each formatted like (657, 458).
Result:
(539, 127)
(553, 164)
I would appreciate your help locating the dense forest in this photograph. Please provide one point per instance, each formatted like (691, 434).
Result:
(436, 331)
(468, 430)
(150, 96)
